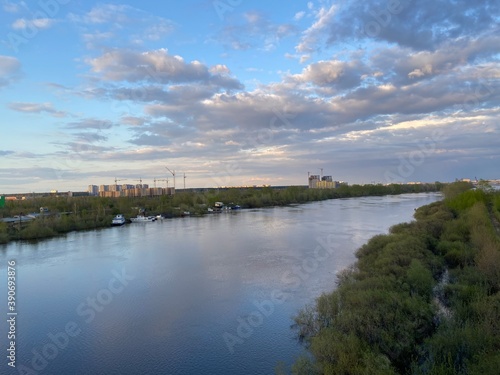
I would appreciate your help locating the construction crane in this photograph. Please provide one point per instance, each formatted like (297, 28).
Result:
(156, 179)
(184, 181)
(122, 179)
(140, 181)
(116, 183)
(173, 174)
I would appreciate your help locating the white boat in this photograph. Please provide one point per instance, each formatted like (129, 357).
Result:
(142, 219)
(118, 220)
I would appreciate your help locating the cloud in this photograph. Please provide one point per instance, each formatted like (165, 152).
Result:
(299, 15)
(10, 70)
(416, 25)
(107, 25)
(89, 137)
(356, 100)
(6, 152)
(254, 31)
(36, 23)
(159, 30)
(155, 66)
(90, 123)
(159, 67)
(402, 65)
(105, 14)
(37, 108)
(333, 72)
(362, 107)
(133, 120)
(311, 37)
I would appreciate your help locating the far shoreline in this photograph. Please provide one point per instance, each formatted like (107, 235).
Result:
(70, 214)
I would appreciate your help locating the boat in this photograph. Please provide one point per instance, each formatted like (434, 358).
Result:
(118, 220)
(142, 219)
(217, 208)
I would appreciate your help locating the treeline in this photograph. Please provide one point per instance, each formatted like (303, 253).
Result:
(80, 213)
(424, 299)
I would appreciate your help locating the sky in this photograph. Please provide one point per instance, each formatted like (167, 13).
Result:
(240, 92)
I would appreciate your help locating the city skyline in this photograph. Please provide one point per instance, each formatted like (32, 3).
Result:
(236, 93)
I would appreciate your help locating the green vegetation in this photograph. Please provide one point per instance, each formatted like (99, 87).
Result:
(424, 299)
(79, 213)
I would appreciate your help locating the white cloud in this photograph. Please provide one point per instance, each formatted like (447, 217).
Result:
(122, 25)
(256, 31)
(299, 15)
(90, 124)
(37, 108)
(38, 23)
(104, 14)
(159, 66)
(311, 36)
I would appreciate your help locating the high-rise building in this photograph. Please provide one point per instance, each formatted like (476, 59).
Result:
(313, 181)
(93, 190)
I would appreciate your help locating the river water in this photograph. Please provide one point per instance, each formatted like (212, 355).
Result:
(211, 295)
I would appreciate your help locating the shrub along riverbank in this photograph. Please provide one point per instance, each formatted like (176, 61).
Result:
(424, 299)
(68, 214)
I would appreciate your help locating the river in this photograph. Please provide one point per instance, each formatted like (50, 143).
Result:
(210, 295)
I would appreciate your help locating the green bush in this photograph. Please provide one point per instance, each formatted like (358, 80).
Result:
(390, 315)
(4, 234)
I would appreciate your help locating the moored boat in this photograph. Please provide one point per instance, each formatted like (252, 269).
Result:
(118, 220)
(143, 219)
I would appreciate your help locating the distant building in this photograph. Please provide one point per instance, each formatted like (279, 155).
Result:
(325, 182)
(93, 190)
(137, 192)
(313, 181)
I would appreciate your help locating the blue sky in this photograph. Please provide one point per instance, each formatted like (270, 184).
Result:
(237, 92)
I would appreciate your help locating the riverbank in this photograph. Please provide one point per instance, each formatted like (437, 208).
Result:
(67, 214)
(423, 299)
